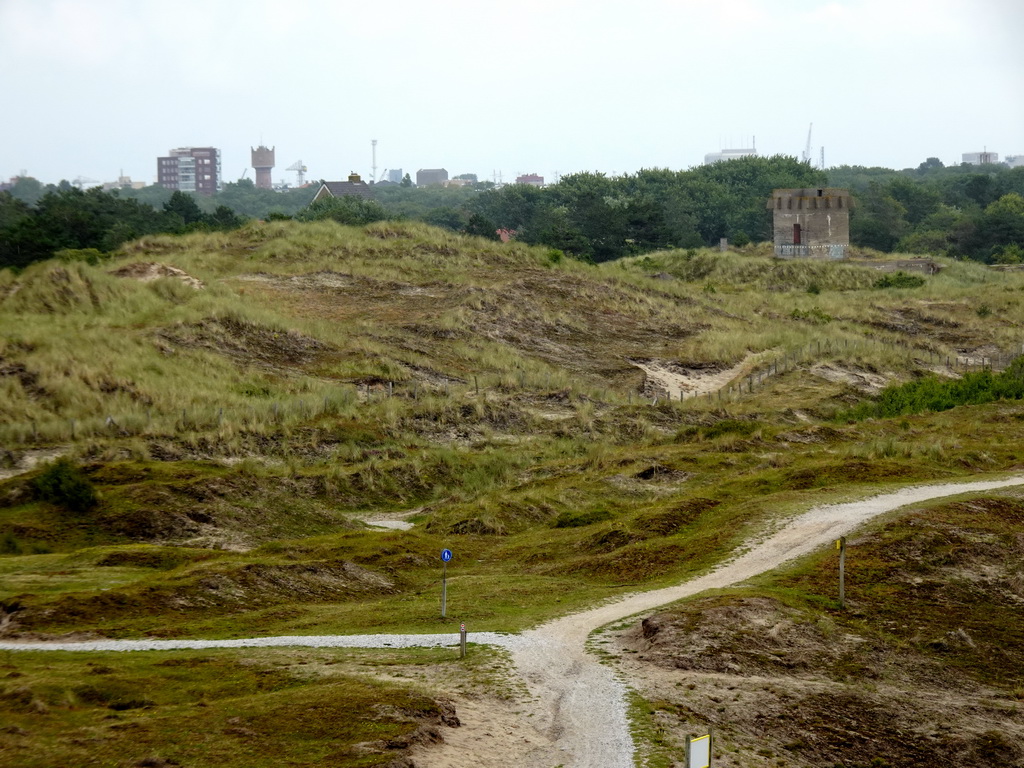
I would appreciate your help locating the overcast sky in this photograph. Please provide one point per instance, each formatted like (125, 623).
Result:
(93, 87)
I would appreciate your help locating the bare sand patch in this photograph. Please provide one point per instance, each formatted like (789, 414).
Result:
(678, 382)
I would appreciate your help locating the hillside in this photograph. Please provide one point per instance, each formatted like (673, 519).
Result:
(282, 426)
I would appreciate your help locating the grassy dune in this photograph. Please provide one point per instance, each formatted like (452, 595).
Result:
(238, 435)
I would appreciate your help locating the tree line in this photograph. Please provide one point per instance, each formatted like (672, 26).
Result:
(974, 212)
(94, 223)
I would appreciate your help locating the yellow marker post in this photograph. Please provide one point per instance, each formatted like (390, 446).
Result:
(698, 751)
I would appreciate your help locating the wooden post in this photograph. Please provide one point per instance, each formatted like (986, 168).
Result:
(462, 640)
(841, 546)
(444, 590)
(477, 385)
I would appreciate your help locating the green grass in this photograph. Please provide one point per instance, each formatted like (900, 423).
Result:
(325, 375)
(208, 708)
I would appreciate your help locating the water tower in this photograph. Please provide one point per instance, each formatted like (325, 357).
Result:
(263, 162)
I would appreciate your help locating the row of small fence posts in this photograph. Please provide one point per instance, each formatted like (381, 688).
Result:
(756, 378)
(191, 420)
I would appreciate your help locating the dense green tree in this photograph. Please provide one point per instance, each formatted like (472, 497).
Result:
(878, 220)
(184, 206)
(347, 209)
(481, 226)
(28, 190)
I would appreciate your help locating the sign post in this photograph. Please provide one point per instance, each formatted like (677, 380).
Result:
(841, 546)
(698, 751)
(462, 641)
(446, 555)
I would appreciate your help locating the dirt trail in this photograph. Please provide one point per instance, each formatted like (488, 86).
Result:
(579, 704)
(576, 713)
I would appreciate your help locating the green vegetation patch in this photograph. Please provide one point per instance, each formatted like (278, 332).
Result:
(934, 394)
(210, 708)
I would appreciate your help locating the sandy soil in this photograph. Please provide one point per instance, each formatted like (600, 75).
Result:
(395, 521)
(29, 460)
(679, 382)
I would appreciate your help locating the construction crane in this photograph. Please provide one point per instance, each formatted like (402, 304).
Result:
(300, 171)
(807, 151)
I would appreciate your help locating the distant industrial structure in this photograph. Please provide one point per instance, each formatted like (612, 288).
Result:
(263, 162)
(300, 172)
(530, 178)
(813, 223)
(123, 182)
(426, 177)
(190, 169)
(729, 154)
(980, 158)
(354, 186)
(394, 175)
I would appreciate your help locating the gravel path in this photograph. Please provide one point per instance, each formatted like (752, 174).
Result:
(579, 706)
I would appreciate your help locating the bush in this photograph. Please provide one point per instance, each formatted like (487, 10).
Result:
(348, 209)
(63, 484)
(814, 315)
(91, 256)
(934, 394)
(578, 519)
(899, 280)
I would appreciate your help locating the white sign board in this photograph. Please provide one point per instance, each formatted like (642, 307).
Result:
(699, 754)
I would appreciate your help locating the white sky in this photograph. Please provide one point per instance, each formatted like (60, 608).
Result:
(90, 87)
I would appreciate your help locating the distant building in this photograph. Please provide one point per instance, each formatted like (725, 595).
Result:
(395, 175)
(425, 177)
(190, 169)
(1015, 161)
(263, 162)
(729, 154)
(530, 178)
(354, 186)
(811, 222)
(980, 158)
(123, 182)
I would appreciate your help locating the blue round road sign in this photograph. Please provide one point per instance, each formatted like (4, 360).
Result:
(446, 555)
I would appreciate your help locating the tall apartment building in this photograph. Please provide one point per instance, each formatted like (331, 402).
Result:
(190, 169)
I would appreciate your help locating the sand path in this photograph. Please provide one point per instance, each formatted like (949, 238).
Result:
(680, 383)
(576, 714)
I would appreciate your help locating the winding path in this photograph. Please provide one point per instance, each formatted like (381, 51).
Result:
(579, 707)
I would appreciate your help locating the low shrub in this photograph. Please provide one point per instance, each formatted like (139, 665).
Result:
(64, 484)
